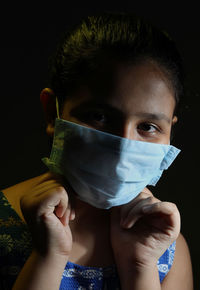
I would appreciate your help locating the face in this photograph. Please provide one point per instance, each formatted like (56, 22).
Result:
(134, 102)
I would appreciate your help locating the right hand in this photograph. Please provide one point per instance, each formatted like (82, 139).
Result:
(47, 211)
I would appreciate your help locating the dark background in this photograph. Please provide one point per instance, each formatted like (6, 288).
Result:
(29, 35)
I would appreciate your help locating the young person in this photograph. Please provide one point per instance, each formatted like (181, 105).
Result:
(90, 222)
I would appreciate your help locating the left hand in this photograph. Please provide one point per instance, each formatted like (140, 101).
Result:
(139, 235)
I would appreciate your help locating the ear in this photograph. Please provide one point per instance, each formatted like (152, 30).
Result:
(48, 100)
(174, 120)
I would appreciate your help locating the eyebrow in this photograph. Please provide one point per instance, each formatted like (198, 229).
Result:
(92, 104)
(146, 115)
(153, 116)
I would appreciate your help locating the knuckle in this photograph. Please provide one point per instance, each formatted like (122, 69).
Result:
(147, 191)
(146, 198)
(158, 205)
(144, 195)
(60, 190)
(172, 206)
(151, 199)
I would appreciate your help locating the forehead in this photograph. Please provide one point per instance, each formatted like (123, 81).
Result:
(143, 87)
(130, 88)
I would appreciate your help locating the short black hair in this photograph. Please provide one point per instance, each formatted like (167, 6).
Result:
(120, 36)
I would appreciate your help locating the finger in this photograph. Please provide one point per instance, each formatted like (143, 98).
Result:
(72, 214)
(136, 212)
(71, 210)
(125, 209)
(65, 213)
(71, 196)
(59, 211)
(65, 218)
(62, 199)
(55, 202)
(169, 216)
(163, 208)
(68, 215)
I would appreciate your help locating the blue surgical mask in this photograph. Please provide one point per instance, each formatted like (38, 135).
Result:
(103, 169)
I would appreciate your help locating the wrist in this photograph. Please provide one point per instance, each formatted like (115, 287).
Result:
(139, 277)
(127, 263)
(41, 272)
(51, 258)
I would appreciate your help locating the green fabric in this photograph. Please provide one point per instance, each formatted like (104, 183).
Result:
(15, 244)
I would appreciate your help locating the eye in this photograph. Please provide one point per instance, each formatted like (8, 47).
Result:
(97, 117)
(94, 118)
(147, 127)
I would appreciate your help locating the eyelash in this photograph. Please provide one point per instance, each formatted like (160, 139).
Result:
(99, 114)
(149, 125)
(100, 119)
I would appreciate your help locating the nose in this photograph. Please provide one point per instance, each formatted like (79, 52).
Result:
(127, 130)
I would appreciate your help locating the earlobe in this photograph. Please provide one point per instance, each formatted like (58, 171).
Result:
(174, 120)
(50, 129)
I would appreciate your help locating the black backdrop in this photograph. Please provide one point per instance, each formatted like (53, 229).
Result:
(28, 37)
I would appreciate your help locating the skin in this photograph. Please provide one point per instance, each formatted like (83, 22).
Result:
(137, 103)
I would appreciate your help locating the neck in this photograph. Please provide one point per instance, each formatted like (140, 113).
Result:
(84, 211)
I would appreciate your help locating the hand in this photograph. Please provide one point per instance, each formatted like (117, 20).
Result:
(47, 212)
(142, 230)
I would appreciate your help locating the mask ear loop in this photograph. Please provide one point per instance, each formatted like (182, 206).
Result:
(57, 108)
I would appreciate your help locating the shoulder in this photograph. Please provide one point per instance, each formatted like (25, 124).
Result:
(180, 276)
(14, 193)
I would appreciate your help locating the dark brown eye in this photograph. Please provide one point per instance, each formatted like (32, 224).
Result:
(98, 117)
(147, 127)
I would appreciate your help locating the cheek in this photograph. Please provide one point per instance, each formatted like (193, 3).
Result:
(163, 134)
(166, 136)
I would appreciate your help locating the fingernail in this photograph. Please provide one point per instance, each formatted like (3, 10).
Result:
(72, 216)
(124, 223)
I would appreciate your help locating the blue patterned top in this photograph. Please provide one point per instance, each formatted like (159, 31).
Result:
(16, 246)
